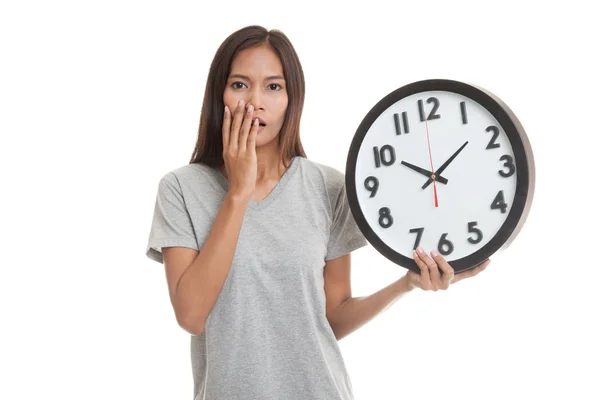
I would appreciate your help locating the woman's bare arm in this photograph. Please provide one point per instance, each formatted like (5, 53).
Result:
(195, 278)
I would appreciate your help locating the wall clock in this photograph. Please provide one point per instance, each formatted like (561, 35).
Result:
(442, 164)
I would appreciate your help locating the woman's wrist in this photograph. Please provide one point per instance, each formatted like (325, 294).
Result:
(405, 285)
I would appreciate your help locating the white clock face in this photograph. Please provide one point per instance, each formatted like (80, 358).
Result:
(475, 191)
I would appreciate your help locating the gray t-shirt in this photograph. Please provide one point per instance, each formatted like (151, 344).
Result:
(267, 336)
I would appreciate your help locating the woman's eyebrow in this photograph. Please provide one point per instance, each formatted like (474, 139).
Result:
(268, 78)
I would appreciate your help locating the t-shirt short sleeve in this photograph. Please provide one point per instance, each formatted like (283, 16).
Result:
(171, 223)
(345, 235)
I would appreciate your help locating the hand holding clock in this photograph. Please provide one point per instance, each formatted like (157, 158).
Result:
(430, 277)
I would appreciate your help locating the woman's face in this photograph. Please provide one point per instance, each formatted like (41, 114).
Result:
(256, 76)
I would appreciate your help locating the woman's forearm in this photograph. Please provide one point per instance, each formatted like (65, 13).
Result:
(357, 311)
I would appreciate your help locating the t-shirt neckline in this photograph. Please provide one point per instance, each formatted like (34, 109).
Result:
(274, 192)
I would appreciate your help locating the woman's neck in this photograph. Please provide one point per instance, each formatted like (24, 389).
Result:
(269, 166)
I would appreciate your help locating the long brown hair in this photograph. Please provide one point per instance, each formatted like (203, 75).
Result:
(209, 145)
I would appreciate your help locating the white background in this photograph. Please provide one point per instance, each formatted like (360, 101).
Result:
(99, 99)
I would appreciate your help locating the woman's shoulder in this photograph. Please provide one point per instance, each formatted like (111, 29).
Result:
(332, 178)
(190, 174)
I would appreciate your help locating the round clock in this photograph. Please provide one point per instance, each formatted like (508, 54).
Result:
(444, 165)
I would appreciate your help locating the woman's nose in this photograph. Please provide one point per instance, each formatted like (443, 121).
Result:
(255, 98)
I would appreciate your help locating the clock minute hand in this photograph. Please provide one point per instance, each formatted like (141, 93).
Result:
(445, 165)
(425, 172)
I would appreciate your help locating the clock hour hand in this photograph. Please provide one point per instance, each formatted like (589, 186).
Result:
(444, 165)
(423, 171)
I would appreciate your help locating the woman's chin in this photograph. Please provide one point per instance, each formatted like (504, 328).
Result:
(263, 138)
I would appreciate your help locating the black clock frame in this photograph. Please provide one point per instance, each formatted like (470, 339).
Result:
(524, 162)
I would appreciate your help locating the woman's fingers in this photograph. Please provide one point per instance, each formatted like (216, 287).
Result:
(472, 272)
(245, 130)
(432, 269)
(431, 278)
(226, 128)
(447, 270)
(235, 126)
(424, 279)
(252, 136)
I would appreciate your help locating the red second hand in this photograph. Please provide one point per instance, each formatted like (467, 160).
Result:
(431, 162)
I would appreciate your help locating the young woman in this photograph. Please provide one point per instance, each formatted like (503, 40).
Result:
(256, 238)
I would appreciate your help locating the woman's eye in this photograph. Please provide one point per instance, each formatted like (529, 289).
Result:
(240, 85)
